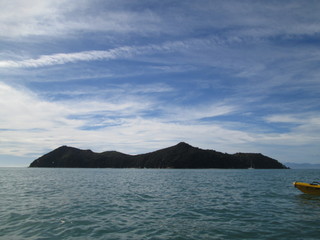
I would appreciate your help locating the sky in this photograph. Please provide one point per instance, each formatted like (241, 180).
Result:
(140, 75)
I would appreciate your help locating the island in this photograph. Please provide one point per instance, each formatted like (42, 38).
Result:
(180, 156)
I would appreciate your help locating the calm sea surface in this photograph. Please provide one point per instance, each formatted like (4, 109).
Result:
(156, 204)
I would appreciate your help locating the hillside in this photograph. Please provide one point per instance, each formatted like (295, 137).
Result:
(181, 155)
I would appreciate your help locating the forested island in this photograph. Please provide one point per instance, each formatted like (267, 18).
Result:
(181, 155)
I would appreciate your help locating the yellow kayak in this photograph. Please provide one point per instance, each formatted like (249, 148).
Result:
(309, 188)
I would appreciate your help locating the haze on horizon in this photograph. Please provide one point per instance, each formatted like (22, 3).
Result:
(137, 76)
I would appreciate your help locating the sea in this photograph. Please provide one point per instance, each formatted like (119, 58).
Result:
(53, 203)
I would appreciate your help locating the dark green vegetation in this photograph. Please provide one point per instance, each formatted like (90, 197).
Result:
(181, 155)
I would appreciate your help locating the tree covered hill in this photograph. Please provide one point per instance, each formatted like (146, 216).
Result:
(181, 155)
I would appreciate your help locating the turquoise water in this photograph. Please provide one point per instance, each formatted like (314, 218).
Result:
(156, 204)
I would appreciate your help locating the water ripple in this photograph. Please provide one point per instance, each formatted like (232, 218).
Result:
(155, 204)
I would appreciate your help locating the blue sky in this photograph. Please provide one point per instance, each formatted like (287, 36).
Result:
(136, 76)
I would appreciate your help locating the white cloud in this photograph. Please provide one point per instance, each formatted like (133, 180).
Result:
(63, 58)
(24, 18)
(20, 109)
(304, 129)
(285, 118)
(116, 53)
(194, 113)
(29, 124)
(20, 18)
(189, 48)
(302, 120)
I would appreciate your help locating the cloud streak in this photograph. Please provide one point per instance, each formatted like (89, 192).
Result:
(116, 53)
(64, 58)
(191, 47)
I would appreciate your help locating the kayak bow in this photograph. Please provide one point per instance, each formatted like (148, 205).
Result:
(309, 188)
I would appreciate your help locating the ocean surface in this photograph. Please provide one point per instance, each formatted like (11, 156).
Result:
(38, 203)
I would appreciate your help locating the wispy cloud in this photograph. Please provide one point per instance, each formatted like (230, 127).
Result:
(116, 53)
(81, 122)
(63, 58)
(194, 49)
(20, 18)
(28, 121)
(304, 129)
